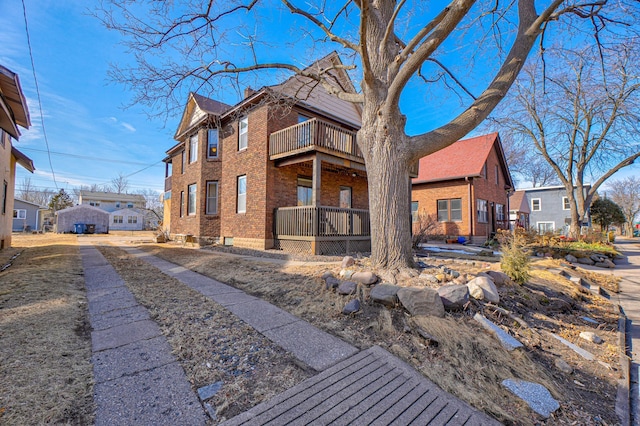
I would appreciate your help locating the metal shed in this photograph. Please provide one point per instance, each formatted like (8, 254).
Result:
(88, 215)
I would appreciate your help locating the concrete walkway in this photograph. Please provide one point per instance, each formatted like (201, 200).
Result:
(139, 382)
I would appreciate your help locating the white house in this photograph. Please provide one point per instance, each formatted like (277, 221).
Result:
(111, 201)
(126, 220)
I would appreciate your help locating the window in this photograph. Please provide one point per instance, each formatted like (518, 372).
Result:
(132, 219)
(545, 227)
(499, 211)
(117, 219)
(181, 203)
(193, 148)
(497, 176)
(117, 204)
(450, 210)
(191, 202)
(304, 132)
(305, 192)
(414, 211)
(20, 214)
(183, 161)
(483, 216)
(167, 195)
(345, 197)
(2, 137)
(4, 197)
(129, 205)
(536, 205)
(242, 194)
(212, 198)
(565, 203)
(243, 133)
(212, 143)
(94, 203)
(483, 173)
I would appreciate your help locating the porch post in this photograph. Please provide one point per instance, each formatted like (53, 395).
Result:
(316, 179)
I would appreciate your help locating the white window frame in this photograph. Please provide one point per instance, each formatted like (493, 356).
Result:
(210, 140)
(212, 197)
(553, 226)
(19, 214)
(132, 219)
(243, 134)
(118, 218)
(500, 212)
(193, 148)
(565, 203)
(449, 210)
(482, 207)
(192, 197)
(533, 202)
(415, 205)
(241, 204)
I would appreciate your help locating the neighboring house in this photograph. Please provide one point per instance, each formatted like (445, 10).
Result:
(13, 113)
(27, 216)
(67, 219)
(271, 171)
(550, 210)
(111, 201)
(519, 210)
(126, 220)
(464, 187)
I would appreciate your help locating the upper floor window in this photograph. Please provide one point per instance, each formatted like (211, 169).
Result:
(129, 205)
(345, 197)
(483, 173)
(117, 204)
(497, 176)
(212, 143)
(193, 148)
(242, 194)
(183, 161)
(191, 202)
(94, 203)
(565, 203)
(450, 210)
(483, 215)
(181, 203)
(20, 214)
(243, 133)
(536, 204)
(212, 198)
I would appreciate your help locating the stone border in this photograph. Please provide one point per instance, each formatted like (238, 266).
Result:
(623, 397)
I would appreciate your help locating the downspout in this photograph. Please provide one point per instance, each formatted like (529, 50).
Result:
(469, 181)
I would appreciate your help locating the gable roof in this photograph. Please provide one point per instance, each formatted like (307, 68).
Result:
(198, 109)
(13, 105)
(18, 200)
(519, 202)
(22, 159)
(83, 207)
(462, 159)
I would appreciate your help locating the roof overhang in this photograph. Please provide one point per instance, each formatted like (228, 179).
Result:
(22, 159)
(444, 179)
(13, 105)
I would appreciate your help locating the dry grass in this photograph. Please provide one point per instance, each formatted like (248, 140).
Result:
(46, 347)
(211, 344)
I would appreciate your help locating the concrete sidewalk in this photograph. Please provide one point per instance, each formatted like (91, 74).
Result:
(352, 386)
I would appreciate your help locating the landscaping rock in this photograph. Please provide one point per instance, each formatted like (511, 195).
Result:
(352, 307)
(326, 275)
(591, 337)
(347, 287)
(346, 273)
(429, 278)
(606, 264)
(571, 258)
(332, 283)
(386, 294)
(563, 366)
(499, 278)
(585, 261)
(460, 280)
(348, 261)
(366, 277)
(454, 297)
(597, 257)
(455, 274)
(483, 288)
(421, 301)
(535, 395)
(506, 340)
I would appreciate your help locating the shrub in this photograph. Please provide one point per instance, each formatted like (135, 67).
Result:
(515, 257)
(424, 227)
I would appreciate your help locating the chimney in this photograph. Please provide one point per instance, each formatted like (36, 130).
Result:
(248, 92)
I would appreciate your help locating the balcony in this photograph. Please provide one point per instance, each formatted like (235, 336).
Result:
(167, 184)
(318, 136)
(314, 135)
(322, 230)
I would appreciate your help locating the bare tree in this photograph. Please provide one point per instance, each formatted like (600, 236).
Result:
(28, 192)
(120, 184)
(581, 116)
(154, 205)
(626, 194)
(203, 46)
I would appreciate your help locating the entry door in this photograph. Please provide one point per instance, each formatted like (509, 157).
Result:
(345, 197)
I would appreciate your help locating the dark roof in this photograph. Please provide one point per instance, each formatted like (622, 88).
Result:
(518, 201)
(13, 105)
(210, 106)
(22, 159)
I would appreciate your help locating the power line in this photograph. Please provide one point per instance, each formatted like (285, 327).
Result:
(86, 157)
(35, 79)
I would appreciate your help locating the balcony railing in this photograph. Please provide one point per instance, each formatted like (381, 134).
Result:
(167, 184)
(313, 134)
(309, 221)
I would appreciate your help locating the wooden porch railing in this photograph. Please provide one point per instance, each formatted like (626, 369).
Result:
(502, 224)
(314, 133)
(167, 184)
(310, 221)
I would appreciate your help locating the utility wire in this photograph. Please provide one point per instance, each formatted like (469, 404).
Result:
(86, 157)
(33, 67)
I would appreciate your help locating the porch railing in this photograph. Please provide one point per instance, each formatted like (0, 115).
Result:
(167, 184)
(314, 133)
(310, 221)
(502, 224)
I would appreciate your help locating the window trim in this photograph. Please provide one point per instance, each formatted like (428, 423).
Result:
(545, 222)
(132, 219)
(307, 183)
(565, 204)
(241, 195)
(181, 203)
(192, 189)
(118, 218)
(209, 197)
(193, 148)
(533, 200)
(243, 135)
(483, 214)
(217, 144)
(17, 214)
(500, 213)
(350, 189)
(449, 217)
(5, 193)
(414, 212)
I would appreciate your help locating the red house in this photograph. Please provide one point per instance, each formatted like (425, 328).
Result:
(465, 187)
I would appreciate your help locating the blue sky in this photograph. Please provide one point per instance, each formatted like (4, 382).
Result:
(91, 137)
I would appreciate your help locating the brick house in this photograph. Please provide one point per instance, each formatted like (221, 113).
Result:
(465, 188)
(13, 113)
(280, 169)
(519, 210)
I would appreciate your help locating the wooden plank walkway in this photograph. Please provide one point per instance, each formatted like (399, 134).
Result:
(372, 387)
